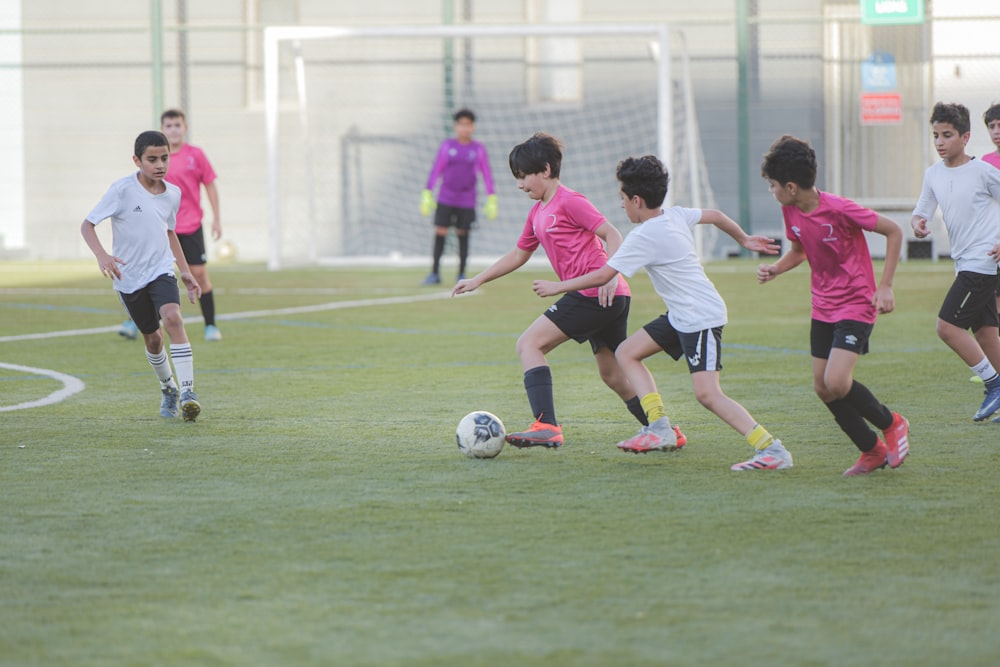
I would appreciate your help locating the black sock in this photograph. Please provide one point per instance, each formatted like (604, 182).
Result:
(853, 424)
(438, 251)
(208, 307)
(870, 408)
(463, 252)
(635, 407)
(538, 384)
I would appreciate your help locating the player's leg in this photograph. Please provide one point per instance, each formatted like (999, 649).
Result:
(464, 219)
(442, 221)
(165, 295)
(540, 338)
(142, 311)
(970, 304)
(193, 246)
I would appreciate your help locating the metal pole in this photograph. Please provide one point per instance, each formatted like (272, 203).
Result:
(448, 18)
(182, 57)
(665, 104)
(156, 46)
(743, 111)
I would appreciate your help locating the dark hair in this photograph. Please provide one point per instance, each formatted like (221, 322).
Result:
(531, 156)
(147, 139)
(955, 114)
(172, 113)
(991, 114)
(790, 160)
(646, 177)
(464, 113)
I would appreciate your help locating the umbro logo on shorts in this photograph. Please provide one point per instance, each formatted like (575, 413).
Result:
(553, 308)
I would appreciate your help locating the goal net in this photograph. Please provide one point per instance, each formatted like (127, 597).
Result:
(355, 117)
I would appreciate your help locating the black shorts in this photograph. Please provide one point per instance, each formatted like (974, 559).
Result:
(701, 349)
(193, 245)
(971, 302)
(582, 318)
(143, 305)
(850, 335)
(460, 218)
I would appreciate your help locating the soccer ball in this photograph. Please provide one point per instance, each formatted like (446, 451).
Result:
(480, 435)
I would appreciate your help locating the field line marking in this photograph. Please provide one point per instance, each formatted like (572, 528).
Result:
(71, 385)
(333, 305)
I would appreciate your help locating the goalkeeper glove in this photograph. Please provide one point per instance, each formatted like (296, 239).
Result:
(490, 209)
(427, 203)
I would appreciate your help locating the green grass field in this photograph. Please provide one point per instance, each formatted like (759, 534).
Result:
(319, 512)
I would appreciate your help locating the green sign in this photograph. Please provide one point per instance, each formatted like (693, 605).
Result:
(892, 12)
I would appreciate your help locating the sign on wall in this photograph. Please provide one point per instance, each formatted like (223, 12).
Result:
(892, 12)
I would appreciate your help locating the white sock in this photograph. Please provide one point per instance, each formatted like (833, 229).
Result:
(161, 366)
(984, 369)
(184, 365)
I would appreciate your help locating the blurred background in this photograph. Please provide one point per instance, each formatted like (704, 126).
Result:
(359, 113)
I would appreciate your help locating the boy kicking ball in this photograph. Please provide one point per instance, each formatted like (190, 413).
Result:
(664, 244)
(143, 211)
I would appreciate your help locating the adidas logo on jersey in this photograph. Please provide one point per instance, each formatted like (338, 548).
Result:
(137, 209)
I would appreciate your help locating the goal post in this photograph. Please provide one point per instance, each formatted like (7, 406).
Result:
(357, 93)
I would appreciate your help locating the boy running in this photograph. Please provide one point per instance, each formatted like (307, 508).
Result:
(458, 161)
(968, 192)
(828, 231)
(571, 231)
(663, 243)
(143, 211)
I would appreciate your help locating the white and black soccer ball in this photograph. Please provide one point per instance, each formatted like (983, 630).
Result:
(480, 435)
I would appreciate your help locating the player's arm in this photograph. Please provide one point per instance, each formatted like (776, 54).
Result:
(924, 209)
(512, 261)
(612, 240)
(723, 222)
(595, 278)
(884, 300)
(107, 263)
(212, 193)
(795, 256)
(193, 288)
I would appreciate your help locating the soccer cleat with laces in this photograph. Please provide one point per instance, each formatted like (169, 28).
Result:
(992, 401)
(538, 434)
(874, 459)
(212, 333)
(772, 457)
(657, 437)
(168, 406)
(681, 438)
(897, 440)
(190, 407)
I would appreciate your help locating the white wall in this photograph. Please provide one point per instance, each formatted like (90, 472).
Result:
(11, 132)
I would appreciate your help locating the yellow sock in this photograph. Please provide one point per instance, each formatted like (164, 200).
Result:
(652, 405)
(759, 438)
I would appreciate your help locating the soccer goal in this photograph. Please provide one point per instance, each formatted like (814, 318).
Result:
(354, 117)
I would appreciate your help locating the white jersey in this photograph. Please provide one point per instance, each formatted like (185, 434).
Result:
(665, 246)
(139, 224)
(969, 197)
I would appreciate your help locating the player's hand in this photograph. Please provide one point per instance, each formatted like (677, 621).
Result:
(464, 286)
(606, 292)
(216, 230)
(545, 288)
(108, 264)
(920, 229)
(884, 301)
(490, 208)
(427, 203)
(762, 244)
(766, 272)
(995, 253)
(193, 288)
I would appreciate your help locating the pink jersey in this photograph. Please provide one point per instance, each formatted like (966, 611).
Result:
(833, 239)
(565, 228)
(992, 158)
(188, 169)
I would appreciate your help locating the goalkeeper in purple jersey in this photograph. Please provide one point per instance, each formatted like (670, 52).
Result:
(458, 161)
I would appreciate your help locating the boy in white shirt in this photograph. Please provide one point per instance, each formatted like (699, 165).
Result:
(143, 211)
(968, 192)
(663, 243)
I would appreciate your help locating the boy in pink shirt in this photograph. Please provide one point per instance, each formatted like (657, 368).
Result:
(573, 233)
(828, 231)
